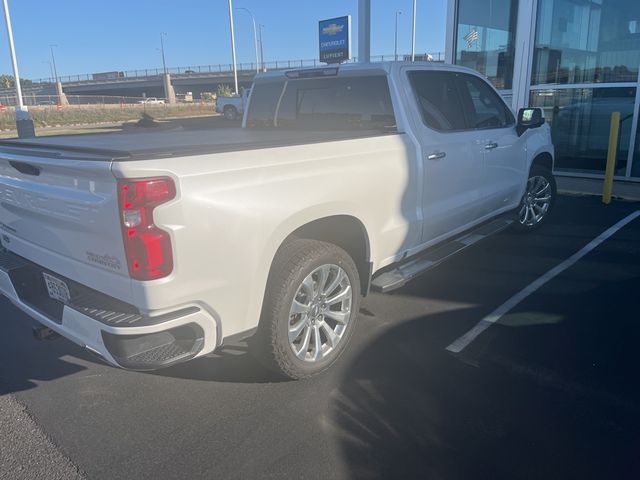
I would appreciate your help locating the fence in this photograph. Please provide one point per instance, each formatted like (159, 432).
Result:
(227, 67)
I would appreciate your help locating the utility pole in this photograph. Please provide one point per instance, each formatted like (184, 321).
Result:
(255, 35)
(413, 34)
(233, 47)
(53, 60)
(395, 48)
(24, 123)
(169, 92)
(261, 49)
(50, 70)
(164, 63)
(62, 99)
(364, 31)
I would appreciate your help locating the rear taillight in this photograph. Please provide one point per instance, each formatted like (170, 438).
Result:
(148, 248)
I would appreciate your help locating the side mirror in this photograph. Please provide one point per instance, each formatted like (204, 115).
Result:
(529, 118)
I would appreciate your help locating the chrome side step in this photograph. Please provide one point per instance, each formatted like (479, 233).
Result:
(399, 276)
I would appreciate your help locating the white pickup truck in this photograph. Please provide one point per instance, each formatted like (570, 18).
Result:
(150, 249)
(232, 107)
(151, 101)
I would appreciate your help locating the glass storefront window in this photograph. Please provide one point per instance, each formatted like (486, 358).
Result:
(586, 41)
(580, 119)
(486, 37)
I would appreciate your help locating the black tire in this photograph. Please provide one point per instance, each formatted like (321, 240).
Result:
(294, 262)
(523, 224)
(230, 113)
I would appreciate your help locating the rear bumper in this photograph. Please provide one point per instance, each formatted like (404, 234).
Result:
(124, 339)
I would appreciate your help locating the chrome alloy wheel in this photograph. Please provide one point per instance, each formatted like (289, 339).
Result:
(320, 313)
(535, 202)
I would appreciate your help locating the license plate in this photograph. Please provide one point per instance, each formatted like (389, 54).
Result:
(58, 290)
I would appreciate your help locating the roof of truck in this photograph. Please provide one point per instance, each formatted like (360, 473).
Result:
(363, 68)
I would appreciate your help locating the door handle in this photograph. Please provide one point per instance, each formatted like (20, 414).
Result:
(491, 146)
(436, 155)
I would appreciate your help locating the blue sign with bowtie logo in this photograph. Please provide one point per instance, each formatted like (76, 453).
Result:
(335, 39)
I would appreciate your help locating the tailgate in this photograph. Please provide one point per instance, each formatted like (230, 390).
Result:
(61, 203)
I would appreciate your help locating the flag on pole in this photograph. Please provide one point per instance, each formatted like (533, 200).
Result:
(471, 37)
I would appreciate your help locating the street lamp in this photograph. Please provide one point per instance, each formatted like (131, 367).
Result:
(261, 48)
(164, 63)
(413, 34)
(24, 123)
(233, 47)
(395, 48)
(255, 35)
(53, 59)
(50, 69)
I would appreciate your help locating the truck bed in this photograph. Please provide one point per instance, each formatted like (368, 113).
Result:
(168, 143)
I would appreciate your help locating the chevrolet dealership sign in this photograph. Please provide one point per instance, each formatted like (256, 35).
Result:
(335, 39)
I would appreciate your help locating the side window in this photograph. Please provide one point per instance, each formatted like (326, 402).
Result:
(438, 100)
(482, 106)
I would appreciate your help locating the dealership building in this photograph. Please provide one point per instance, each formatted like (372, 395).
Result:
(576, 59)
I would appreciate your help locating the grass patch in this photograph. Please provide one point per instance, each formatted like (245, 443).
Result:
(49, 116)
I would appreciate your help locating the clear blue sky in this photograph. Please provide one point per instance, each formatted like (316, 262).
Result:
(107, 35)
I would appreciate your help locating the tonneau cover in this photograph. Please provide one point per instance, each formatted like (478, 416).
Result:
(164, 143)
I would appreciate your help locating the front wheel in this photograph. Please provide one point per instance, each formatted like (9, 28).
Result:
(310, 308)
(230, 113)
(537, 201)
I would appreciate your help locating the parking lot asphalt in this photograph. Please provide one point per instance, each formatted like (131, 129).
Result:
(549, 391)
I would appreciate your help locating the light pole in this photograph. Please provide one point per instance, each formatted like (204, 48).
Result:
(413, 34)
(233, 47)
(364, 31)
(395, 48)
(255, 35)
(50, 69)
(24, 123)
(261, 49)
(164, 63)
(53, 60)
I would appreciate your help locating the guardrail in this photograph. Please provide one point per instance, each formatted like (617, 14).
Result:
(227, 68)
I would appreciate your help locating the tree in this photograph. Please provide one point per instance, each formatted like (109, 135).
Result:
(223, 90)
(7, 81)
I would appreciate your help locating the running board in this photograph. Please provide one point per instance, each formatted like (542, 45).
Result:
(399, 276)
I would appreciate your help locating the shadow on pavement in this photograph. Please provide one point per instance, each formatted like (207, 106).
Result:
(552, 398)
(24, 361)
(231, 364)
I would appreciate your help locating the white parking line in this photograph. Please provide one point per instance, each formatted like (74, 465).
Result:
(463, 342)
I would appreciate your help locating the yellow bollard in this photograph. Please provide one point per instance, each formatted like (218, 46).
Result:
(611, 158)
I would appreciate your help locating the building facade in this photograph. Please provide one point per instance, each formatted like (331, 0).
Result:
(576, 59)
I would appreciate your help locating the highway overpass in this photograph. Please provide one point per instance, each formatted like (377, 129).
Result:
(195, 79)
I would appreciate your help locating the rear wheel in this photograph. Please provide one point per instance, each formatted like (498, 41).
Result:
(537, 201)
(230, 113)
(310, 308)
